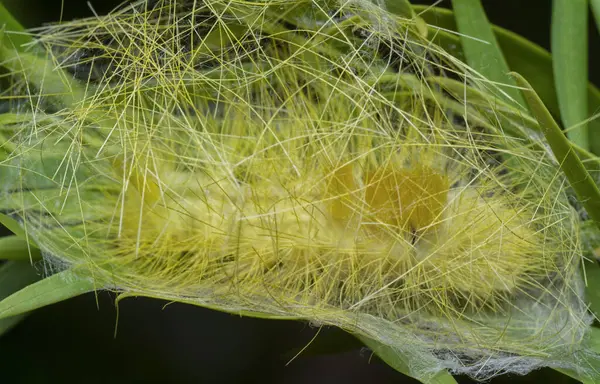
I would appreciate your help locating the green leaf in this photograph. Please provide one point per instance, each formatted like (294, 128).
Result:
(595, 4)
(42, 72)
(14, 275)
(595, 339)
(12, 225)
(592, 363)
(53, 289)
(575, 375)
(592, 289)
(16, 248)
(581, 181)
(401, 363)
(533, 62)
(400, 8)
(569, 52)
(14, 31)
(404, 9)
(590, 241)
(484, 55)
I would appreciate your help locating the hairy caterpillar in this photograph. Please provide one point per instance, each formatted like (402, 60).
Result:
(305, 159)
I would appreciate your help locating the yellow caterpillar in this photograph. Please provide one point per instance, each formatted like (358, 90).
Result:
(322, 161)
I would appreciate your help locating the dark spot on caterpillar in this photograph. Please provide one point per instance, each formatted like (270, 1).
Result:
(413, 236)
(227, 259)
(185, 255)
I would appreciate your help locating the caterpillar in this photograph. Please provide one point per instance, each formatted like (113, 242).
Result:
(318, 160)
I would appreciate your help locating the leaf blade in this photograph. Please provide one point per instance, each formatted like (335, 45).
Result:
(401, 363)
(586, 189)
(13, 277)
(42, 72)
(12, 225)
(595, 4)
(53, 289)
(592, 363)
(592, 288)
(533, 62)
(16, 248)
(487, 59)
(400, 8)
(18, 37)
(570, 55)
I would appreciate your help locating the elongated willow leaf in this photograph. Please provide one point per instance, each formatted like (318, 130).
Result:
(53, 289)
(592, 292)
(14, 275)
(483, 54)
(576, 376)
(10, 223)
(595, 4)
(400, 8)
(403, 8)
(401, 363)
(569, 53)
(593, 365)
(590, 246)
(580, 179)
(533, 62)
(42, 72)
(17, 248)
(14, 31)
(13, 226)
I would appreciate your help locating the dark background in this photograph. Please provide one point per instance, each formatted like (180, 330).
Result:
(75, 342)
